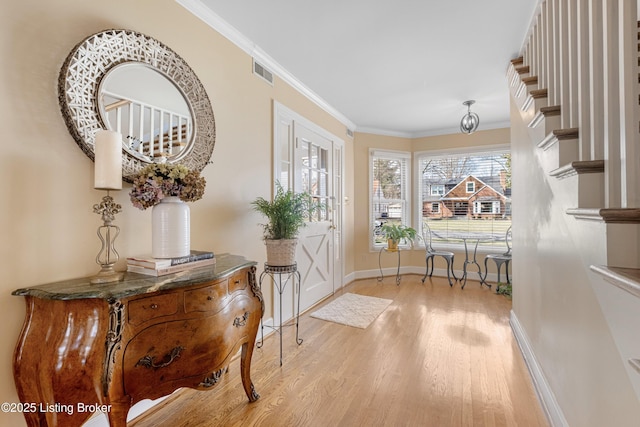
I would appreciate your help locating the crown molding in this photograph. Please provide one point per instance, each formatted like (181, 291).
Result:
(435, 132)
(383, 132)
(452, 130)
(202, 12)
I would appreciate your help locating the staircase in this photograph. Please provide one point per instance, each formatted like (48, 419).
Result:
(575, 89)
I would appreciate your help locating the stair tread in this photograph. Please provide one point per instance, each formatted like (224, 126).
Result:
(627, 279)
(542, 93)
(569, 133)
(579, 167)
(621, 215)
(552, 110)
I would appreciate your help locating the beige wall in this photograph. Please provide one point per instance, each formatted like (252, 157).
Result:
(365, 259)
(48, 227)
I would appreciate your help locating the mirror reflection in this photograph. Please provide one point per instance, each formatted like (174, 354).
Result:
(148, 110)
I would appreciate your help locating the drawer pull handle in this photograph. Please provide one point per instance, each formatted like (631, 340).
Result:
(153, 306)
(209, 298)
(237, 282)
(241, 321)
(148, 360)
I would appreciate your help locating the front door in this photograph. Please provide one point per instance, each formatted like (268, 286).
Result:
(313, 165)
(308, 158)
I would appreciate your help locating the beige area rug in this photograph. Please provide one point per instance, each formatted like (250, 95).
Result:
(352, 310)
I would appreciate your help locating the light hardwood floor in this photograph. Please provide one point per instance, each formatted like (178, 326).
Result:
(438, 356)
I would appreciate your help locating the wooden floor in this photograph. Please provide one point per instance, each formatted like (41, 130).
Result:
(438, 356)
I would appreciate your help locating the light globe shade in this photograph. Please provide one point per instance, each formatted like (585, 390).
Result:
(470, 121)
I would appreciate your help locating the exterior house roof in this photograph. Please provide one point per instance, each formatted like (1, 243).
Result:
(454, 195)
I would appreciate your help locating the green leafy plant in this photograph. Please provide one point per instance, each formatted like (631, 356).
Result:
(286, 213)
(399, 233)
(504, 289)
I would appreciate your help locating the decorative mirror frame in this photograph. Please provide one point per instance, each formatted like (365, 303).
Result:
(91, 60)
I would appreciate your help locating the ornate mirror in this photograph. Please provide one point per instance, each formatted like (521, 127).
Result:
(132, 84)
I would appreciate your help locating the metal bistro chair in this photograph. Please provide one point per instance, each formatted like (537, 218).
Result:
(500, 259)
(431, 253)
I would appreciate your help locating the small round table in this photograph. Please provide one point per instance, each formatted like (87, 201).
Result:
(290, 272)
(474, 260)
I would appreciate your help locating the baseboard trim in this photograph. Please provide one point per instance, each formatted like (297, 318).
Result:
(348, 279)
(492, 278)
(548, 400)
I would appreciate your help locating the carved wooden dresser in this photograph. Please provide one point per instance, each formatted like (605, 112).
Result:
(109, 346)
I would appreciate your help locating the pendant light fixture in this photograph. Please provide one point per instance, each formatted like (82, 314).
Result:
(470, 121)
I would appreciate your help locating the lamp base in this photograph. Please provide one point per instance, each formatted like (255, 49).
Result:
(107, 275)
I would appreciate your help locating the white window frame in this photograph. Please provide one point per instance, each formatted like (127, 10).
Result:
(435, 207)
(419, 155)
(405, 157)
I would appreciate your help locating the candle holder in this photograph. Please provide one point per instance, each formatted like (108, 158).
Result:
(107, 233)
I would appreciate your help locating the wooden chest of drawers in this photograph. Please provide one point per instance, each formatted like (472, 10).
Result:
(142, 338)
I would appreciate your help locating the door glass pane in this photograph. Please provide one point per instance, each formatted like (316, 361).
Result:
(314, 156)
(315, 178)
(322, 184)
(314, 183)
(305, 180)
(304, 147)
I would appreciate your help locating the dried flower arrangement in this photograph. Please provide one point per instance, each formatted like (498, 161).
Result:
(159, 180)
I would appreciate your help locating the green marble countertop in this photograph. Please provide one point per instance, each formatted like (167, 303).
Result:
(135, 283)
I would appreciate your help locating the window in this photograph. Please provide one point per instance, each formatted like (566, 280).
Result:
(476, 196)
(389, 191)
(471, 187)
(487, 207)
(437, 190)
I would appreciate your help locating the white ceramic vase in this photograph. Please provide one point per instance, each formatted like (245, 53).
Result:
(170, 237)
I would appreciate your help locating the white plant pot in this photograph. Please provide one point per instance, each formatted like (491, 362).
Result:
(170, 236)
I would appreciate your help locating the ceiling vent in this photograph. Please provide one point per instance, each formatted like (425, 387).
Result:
(261, 71)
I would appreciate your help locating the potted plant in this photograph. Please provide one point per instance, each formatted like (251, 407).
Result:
(165, 187)
(286, 214)
(397, 233)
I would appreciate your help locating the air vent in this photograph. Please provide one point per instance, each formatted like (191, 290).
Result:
(260, 70)
(349, 133)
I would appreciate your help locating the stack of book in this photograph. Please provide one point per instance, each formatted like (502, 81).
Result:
(148, 265)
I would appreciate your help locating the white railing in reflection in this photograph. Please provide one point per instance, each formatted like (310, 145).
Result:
(149, 130)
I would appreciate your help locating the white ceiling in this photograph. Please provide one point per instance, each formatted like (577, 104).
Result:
(396, 68)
